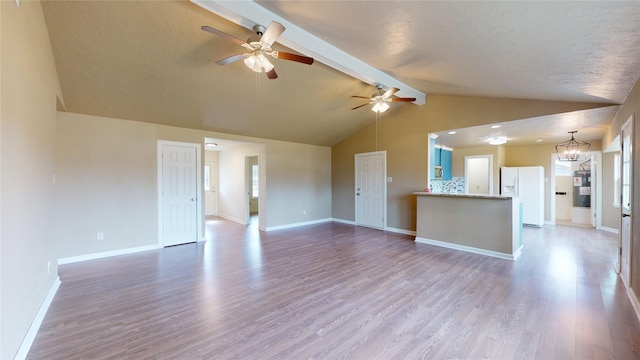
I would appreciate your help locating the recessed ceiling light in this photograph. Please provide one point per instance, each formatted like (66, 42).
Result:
(451, 132)
(539, 140)
(495, 126)
(497, 140)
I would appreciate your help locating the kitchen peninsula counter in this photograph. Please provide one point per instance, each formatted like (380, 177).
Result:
(483, 224)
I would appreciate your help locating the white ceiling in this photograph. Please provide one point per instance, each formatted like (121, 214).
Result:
(149, 61)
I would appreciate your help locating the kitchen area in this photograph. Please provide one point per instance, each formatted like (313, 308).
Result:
(479, 196)
(474, 202)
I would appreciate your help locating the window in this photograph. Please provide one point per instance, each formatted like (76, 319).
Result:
(254, 183)
(563, 168)
(207, 180)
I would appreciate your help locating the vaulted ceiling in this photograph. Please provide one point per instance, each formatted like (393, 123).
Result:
(150, 61)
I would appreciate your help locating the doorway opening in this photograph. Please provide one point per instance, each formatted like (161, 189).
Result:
(252, 179)
(210, 186)
(478, 174)
(575, 198)
(231, 194)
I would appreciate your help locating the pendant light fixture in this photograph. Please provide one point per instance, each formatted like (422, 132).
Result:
(572, 149)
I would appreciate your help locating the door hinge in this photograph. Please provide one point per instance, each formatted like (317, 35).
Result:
(620, 251)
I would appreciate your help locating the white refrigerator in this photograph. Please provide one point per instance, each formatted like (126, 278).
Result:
(527, 183)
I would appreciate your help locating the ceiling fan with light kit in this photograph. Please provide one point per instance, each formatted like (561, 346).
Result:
(258, 48)
(381, 99)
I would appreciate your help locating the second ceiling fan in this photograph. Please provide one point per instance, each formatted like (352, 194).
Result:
(259, 47)
(381, 100)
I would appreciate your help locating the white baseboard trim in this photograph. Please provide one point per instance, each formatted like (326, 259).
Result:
(35, 325)
(634, 302)
(239, 221)
(517, 253)
(342, 221)
(400, 231)
(549, 222)
(289, 226)
(94, 256)
(469, 249)
(608, 229)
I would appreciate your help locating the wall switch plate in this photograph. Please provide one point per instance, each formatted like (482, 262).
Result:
(389, 179)
(100, 236)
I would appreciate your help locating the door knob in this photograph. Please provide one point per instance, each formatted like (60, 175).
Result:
(625, 215)
(358, 194)
(193, 199)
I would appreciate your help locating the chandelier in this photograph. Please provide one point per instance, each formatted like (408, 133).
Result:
(572, 149)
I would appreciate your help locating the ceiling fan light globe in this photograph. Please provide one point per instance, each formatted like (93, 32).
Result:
(263, 63)
(258, 62)
(250, 62)
(380, 107)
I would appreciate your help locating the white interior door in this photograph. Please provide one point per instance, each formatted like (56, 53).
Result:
(211, 188)
(625, 225)
(179, 194)
(371, 189)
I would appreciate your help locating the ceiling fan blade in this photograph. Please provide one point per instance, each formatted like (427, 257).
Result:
(357, 107)
(222, 34)
(360, 97)
(389, 92)
(272, 33)
(403, 99)
(293, 57)
(272, 74)
(230, 59)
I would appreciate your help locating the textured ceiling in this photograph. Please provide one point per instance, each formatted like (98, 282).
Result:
(149, 60)
(550, 129)
(545, 50)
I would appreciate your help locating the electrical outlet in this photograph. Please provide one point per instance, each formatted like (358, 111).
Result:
(100, 236)
(304, 212)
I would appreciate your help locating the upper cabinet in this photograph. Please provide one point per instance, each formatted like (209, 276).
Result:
(440, 161)
(445, 162)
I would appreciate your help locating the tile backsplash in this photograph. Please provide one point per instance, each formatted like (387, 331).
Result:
(455, 185)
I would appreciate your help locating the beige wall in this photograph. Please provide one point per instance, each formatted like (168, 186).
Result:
(403, 133)
(106, 183)
(29, 88)
(298, 179)
(107, 171)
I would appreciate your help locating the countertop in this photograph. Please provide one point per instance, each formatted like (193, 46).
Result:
(492, 197)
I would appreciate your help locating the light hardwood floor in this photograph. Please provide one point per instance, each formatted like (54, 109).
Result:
(335, 291)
